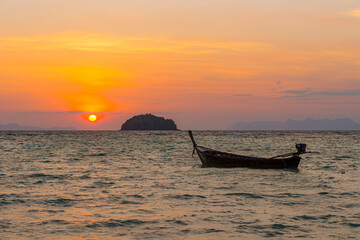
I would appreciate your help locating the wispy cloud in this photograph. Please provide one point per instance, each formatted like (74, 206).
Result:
(308, 92)
(354, 13)
(301, 69)
(70, 112)
(86, 41)
(55, 112)
(352, 92)
(297, 92)
(242, 95)
(166, 113)
(328, 103)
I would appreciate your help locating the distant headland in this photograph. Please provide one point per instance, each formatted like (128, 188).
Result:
(307, 124)
(149, 122)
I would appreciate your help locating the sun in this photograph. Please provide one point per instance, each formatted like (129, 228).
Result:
(92, 118)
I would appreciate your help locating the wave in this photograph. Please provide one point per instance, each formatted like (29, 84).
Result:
(112, 223)
(63, 202)
(183, 196)
(249, 195)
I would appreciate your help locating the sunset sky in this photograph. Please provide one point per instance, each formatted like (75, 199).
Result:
(207, 64)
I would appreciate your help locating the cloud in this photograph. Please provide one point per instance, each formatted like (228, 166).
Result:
(70, 112)
(86, 41)
(301, 69)
(307, 92)
(328, 103)
(242, 95)
(297, 93)
(354, 13)
(60, 112)
(165, 113)
(352, 92)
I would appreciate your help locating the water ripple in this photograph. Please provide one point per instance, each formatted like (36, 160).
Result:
(112, 223)
(145, 185)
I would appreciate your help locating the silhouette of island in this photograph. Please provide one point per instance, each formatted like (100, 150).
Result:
(307, 124)
(17, 127)
(148, 122)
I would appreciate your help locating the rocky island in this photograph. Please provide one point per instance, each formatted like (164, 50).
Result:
(148, 122)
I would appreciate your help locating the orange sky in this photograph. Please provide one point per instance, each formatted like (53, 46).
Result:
(206, 64)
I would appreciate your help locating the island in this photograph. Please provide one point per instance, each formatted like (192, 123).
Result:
(149, 122)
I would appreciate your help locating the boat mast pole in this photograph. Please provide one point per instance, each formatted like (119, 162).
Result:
(192, 138)
(194, 143)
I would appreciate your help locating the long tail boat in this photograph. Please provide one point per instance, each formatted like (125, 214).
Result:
(213, 158)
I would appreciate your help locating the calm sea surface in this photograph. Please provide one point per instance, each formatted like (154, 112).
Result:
(146, 185)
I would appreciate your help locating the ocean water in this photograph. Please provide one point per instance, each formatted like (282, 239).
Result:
(146, 185)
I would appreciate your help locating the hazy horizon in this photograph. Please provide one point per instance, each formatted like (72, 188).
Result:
(205, 64)
(288, 124)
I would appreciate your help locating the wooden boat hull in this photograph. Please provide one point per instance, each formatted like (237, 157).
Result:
(213, 158)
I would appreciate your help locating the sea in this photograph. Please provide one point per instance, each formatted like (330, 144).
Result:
(147, 185)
